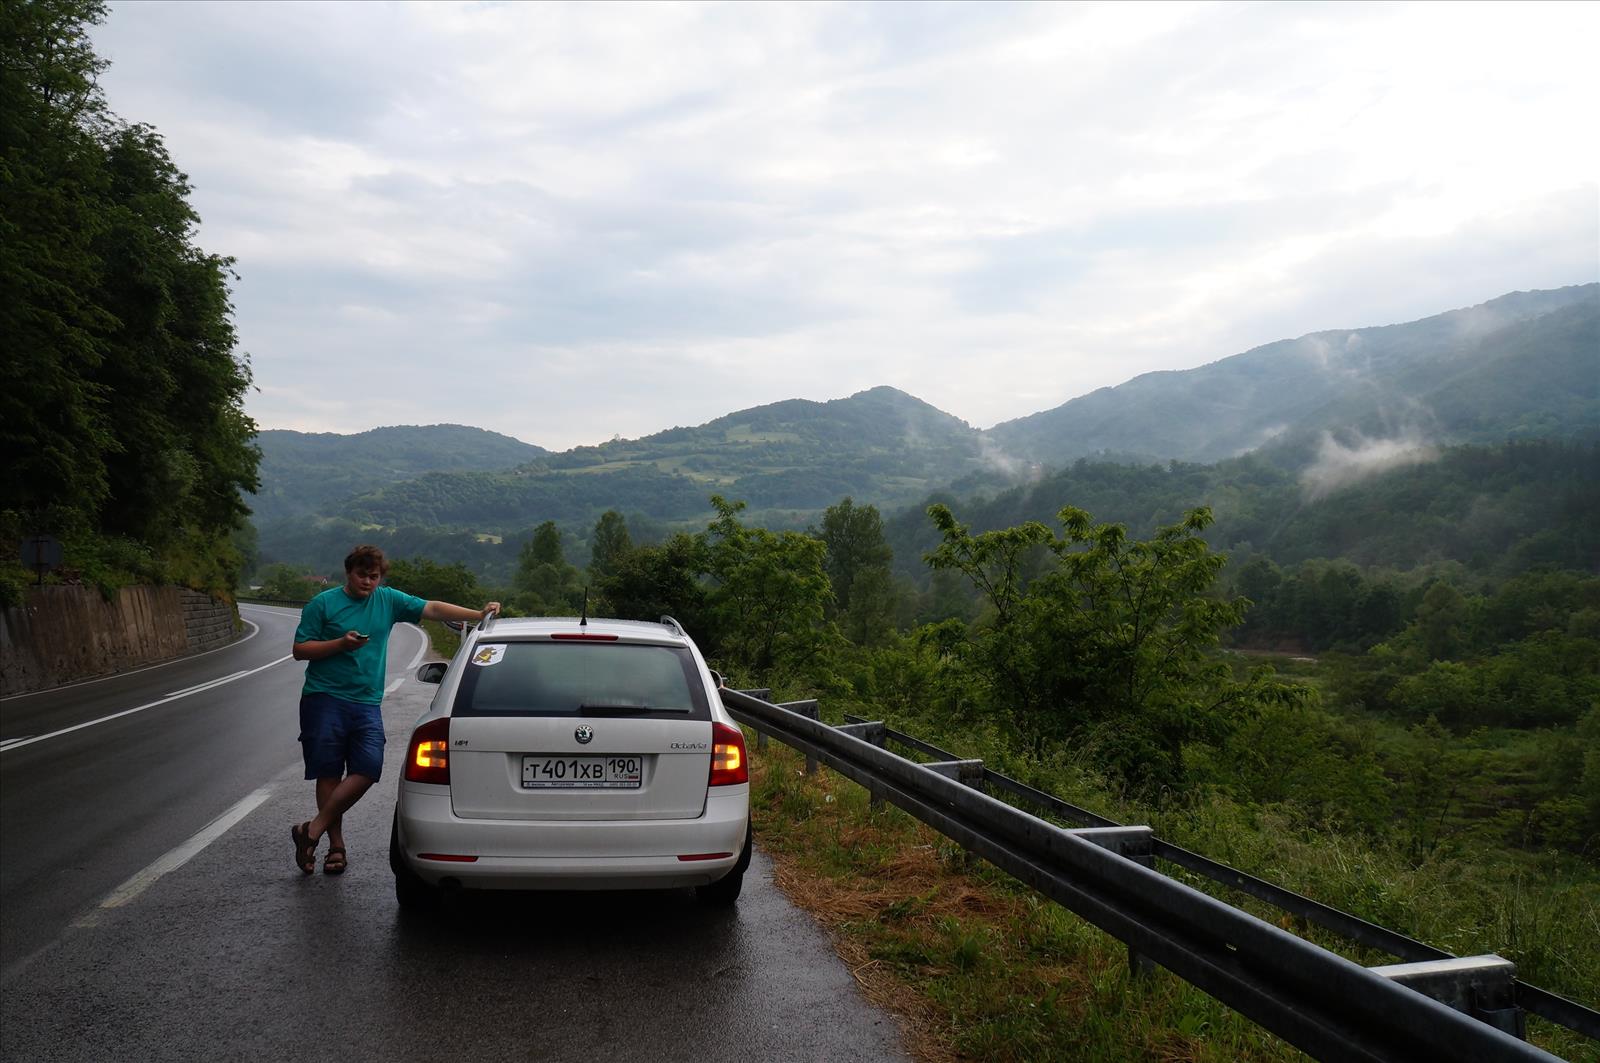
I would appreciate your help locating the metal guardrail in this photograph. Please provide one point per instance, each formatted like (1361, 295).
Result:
(1433, 1006)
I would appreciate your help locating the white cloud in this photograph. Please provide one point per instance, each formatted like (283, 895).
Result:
(1339, 465)
(626, 217)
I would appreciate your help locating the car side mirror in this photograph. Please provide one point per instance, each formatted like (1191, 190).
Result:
(433, 671)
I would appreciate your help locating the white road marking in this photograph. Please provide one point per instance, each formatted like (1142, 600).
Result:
(208, 683)
(13, 741)
(19, 743)
(420, 649)
(392, 687)
(176, 858)
(255, 629)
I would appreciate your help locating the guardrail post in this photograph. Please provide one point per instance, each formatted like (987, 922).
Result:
(763, 693)
(872, 731)
(965, 772)
(809, 710)
(1484, 987)
(1131, 843)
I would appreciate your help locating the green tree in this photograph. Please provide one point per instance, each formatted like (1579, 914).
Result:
(432, 581)
(546, 584)
(120, 365)
(655, 581)
(768, 593)
(609, 545)
(1448, 692)
(875, 609)
(52, 422)
(287, 583)
(246, 546)
(1442, 621)
(855, 545)
(1433, 771)
(865, 599)
(1259, 581)
(183, 452)
(1303, 757)
(1114, 646)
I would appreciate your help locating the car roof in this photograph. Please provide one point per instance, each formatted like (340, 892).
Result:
(667, 631)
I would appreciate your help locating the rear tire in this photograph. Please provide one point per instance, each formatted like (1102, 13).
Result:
(413, 894)
(725, 891)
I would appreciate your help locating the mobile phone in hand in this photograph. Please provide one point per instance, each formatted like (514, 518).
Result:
(362, 635)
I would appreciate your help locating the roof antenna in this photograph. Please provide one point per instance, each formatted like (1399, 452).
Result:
(583, 621)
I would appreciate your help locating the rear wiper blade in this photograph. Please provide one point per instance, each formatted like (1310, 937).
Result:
(603, 707)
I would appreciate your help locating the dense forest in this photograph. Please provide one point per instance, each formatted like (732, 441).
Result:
(1496, 510)
(121, 394)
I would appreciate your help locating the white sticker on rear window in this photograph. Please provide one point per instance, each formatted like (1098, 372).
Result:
(489, 654)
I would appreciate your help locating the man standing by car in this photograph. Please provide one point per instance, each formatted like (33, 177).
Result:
(344, 634)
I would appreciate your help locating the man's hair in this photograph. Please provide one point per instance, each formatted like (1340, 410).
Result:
(365, 558)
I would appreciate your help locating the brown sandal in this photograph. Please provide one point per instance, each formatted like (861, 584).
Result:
(334, 863)
(305, 848)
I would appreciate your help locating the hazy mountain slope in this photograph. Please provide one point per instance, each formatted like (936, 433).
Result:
(1500, 509)
(1337, 403)
(1442, 373)
(512, 501)
(304, 473)
(797, 455)
(793, 452)
(1539, 379)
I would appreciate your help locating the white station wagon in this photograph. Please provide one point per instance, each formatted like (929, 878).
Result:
(573, 754)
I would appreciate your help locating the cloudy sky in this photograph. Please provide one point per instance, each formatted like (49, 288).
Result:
(566, 223)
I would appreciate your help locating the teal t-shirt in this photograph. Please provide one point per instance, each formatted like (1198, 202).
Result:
(357, 675)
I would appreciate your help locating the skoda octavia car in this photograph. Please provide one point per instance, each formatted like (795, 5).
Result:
(573, 754)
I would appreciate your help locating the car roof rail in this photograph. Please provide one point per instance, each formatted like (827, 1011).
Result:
(669, 622)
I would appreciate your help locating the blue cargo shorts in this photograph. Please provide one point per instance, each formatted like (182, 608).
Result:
(337, 736)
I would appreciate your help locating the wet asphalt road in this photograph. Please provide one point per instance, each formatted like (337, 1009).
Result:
(232, 954)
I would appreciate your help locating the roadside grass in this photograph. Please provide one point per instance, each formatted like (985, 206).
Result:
(442, 639)
(980, 967)
(976, 965)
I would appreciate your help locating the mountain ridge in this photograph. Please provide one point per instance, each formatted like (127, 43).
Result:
(301, 472)
(1524, 365)
(1303, 374)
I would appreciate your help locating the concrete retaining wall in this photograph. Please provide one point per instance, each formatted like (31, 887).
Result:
(62, 634)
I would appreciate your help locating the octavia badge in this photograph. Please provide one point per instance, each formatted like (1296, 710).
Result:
(584, 734)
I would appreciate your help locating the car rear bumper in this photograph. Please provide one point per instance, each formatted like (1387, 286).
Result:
(569, 854)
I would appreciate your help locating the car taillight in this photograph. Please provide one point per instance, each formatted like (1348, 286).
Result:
(428, 758)
(728, 762)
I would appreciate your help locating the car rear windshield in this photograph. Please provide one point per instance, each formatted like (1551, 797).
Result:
(581, 679)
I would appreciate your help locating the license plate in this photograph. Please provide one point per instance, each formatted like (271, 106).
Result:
(549, 772)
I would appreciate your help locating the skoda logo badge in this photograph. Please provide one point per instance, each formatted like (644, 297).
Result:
(584, 734)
